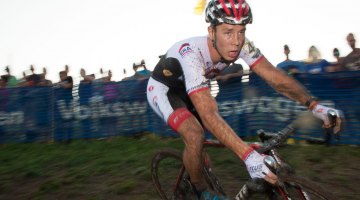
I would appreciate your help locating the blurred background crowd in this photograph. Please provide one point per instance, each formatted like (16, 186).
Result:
(313, 64)
(30, 78)
(316, 64)
(94, 106)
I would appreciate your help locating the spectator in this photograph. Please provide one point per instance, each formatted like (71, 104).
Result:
(351, 62)
(286, 52)
(110, 88)
(67, 69)
(22, 81)
(110, 95)
(229, 81)
(124, 71)
(11, 80)
(232, 74)
(4, 94)
(336, 66)
(144, 73)
(33, 79)
(86, 78)
(43, 80)
(4, 99)
(66, 82)
(43, 106)
(63, 107)
(106, 78)
(336, 54)
(31, 104)
(139, 74)
(314, 63)
(3, 81)
(85, 93)
(290, 66)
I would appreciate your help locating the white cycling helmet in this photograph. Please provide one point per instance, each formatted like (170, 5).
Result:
(236, 12)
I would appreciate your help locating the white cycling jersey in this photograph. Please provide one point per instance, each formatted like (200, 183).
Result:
(185, 69)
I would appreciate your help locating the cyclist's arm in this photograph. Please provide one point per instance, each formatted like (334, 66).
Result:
(207, 108)
(280, 81)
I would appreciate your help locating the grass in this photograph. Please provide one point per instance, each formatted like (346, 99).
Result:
(119, 168)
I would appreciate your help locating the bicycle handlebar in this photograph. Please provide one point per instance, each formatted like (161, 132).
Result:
(272, 140)
(332, 117)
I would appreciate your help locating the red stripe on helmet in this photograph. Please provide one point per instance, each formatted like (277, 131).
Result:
(240, 10)
(227, 11)
(234, 9)
(246, 10)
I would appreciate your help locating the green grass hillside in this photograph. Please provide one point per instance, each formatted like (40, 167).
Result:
(119, 168)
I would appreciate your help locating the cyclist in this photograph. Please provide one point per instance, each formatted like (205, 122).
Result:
(178, 89)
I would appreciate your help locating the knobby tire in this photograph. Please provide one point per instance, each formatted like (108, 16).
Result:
(165, 182)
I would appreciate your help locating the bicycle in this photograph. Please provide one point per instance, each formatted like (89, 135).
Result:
(174, 182)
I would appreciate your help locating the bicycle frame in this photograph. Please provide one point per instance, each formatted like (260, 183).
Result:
(216, 144)
(206, 143)
(288, 183)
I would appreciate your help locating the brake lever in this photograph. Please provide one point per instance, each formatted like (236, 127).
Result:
(332, 116)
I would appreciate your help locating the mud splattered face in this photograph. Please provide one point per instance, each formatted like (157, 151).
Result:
(228, 40)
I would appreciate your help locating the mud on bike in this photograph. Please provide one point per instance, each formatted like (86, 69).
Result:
(171, 180)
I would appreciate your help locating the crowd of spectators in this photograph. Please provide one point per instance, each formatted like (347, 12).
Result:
(30, 96)
(314, 63)
(30, 78)
(140, 71)
(94, 90)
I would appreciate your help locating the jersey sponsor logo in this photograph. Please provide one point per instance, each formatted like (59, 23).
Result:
(256, 168)
(180, 117)
(177, 117)
(155, 99)
(320, 110)
(167, 72)
(208, 64)
(257, 54)
(253, 51)
(185, 49)
(250, 46)
(151, 88)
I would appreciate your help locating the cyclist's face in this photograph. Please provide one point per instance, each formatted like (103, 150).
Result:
(229, 40)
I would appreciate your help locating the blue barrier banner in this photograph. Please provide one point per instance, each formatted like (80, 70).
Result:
(103, 110)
